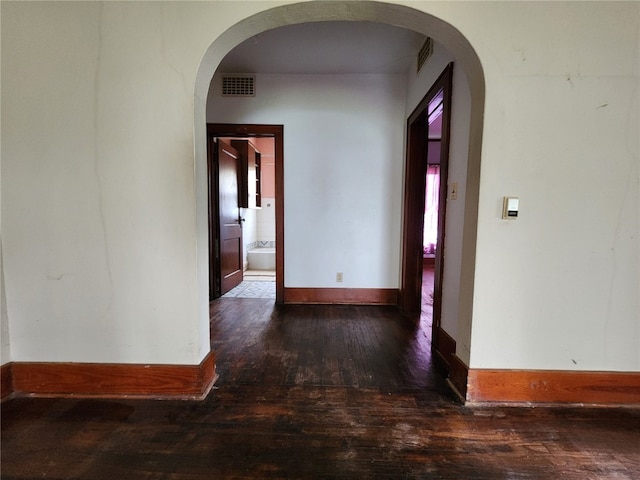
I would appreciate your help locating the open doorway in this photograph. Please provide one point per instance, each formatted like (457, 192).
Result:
(260, 216)
(426, 184)
(432, 189)
(401, 16)
(431, 235)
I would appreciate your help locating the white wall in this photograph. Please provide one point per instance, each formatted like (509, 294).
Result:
(343, 143)
(5, 348)
(98, 205)
(558, 288)
(266, 220)
(104, 261)
(249, 231)
(5, 343)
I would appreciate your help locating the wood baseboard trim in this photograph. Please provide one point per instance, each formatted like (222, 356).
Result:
(342, 296)
(444, 348)
(445, 359)
(550, 386)
(429, 262)
(6, 382)
(455, 391)
(187, 382)
(458, 375)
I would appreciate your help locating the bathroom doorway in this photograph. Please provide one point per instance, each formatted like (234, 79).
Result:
(261, 217)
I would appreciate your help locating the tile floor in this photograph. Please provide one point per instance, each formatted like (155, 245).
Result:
(255, 284)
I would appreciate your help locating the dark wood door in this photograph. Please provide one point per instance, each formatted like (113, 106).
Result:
(214, 224)
(231, 263)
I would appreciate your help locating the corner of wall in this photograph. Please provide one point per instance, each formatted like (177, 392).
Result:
(5, 348)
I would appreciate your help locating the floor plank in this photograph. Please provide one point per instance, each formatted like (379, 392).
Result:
(316, 392)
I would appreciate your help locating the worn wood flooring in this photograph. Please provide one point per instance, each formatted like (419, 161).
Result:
(316, 392)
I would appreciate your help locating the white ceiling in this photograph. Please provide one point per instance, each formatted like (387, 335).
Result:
(327, 47)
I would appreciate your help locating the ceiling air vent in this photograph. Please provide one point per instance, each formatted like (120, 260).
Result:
(425, 52)
(238, 85)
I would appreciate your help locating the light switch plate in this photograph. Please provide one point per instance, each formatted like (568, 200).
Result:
(510, 208)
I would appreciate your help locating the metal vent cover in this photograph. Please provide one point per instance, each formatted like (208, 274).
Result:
(238, 85)
(425, 52)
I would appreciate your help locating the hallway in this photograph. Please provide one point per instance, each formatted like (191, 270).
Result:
(315, 392)
(260, 343)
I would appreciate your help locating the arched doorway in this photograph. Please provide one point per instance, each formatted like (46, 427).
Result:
(379, 12)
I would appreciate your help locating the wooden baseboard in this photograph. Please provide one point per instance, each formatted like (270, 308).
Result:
(342, 296)
(548, 386)
(458, 375)
(114, 380)
(6, 382)
(445, 359)
(444, 348)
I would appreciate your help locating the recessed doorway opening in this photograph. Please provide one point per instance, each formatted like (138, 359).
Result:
(393, 15)
(426, 185)
(259, 210)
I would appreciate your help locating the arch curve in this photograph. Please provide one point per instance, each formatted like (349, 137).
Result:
(361, 11)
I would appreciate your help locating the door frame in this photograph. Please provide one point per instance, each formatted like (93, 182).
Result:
(277, 133)
(414, 203)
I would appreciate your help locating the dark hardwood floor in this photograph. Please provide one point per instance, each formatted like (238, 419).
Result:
(316, 392)
(258, 343)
